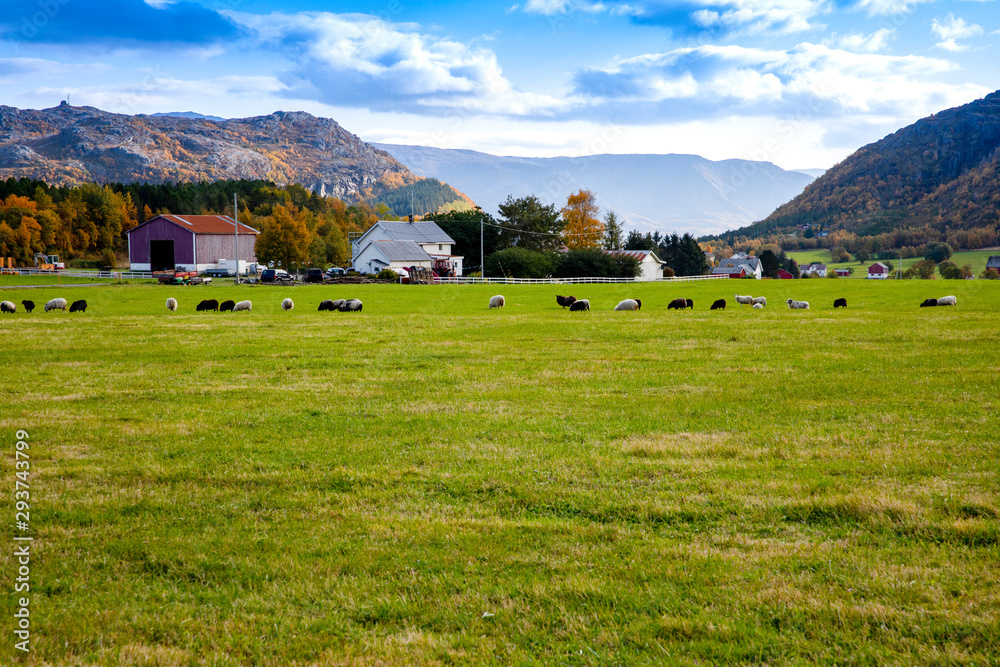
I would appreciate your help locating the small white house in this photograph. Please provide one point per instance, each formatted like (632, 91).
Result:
(814, 269)
(426, 236)
(396, 255)
(739, 265)
(650, 266)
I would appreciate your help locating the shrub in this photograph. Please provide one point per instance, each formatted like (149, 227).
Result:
(937, 252)
(949, 270)
(668, 272)
(592, 262)
(520, 263)
(924, 269)
(387, 274)
(989, 274)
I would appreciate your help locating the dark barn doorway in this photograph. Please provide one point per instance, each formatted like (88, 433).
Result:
(161, 255)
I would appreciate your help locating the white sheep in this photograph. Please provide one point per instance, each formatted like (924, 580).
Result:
(287, 304)
(947, 301)
(629, 304)
(243, 305)
(497, 301)
(56, 304)
(761, 300)
(8, 307)
(798, 305)
(172, 304)
(758, 306)
(351, 306)
(745, 300)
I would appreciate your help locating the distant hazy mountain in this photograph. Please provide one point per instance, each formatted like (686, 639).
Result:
(942, 171)
(683, 193)
(70, 145)
(187, 114)
(815, 173)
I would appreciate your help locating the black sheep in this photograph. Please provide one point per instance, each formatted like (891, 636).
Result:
(677, 304)
(28, 305)
(928, 302)
(840, 303)
(227, 306)
(208, 304)
(689, 302)
(579, 304)
(326, 305)
(565, 300)
(719, 305)
(78, 307)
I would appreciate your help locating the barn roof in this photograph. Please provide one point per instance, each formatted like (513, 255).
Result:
(401, 251)
(736, 262)
(421, 232)
(202, 224)
(993, 262)
(638, 255)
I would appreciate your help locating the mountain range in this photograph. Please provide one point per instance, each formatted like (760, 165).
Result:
(666, 193)
(70, 145)
(942, 171)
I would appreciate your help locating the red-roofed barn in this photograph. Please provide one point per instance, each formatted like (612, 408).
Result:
(188, 243)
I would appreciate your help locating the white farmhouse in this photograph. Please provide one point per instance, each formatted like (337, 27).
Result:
(397, 245)
(650, 266)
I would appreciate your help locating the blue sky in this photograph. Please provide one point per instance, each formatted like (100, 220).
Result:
(801, 83)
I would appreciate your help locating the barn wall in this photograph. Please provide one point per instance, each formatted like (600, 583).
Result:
(160, 230)
(213, 247)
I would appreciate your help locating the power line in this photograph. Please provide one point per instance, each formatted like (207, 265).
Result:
(520, 231)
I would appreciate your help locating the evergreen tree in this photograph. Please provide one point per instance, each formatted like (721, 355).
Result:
(612, 232)
(530, 224)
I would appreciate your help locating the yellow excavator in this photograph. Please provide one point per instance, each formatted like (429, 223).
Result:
(48, 262)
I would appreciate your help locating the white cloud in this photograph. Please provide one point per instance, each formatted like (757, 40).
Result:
(952, 29)
(814, 79)
(15, 68)
(361, 60)
(872, 43)
(888, 7)
(742, 16)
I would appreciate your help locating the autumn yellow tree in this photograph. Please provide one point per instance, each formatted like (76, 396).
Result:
(583, 228)
(284, 238)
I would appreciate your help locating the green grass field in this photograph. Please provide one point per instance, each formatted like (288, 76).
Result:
(975, 258)
(432, 482)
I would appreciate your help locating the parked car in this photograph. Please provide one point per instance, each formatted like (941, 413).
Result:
(276, 276)
(313, 276)
(335, 271)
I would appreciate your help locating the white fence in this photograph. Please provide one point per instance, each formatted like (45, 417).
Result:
(471, 280)
(80, 273)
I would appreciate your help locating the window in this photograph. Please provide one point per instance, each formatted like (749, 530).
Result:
(440, 247)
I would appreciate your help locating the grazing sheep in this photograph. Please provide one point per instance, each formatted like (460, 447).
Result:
(579, 304)
(287, 304)
(243, 306)
(28, 305)
(227, 306)
(629, 304)
(840, 303)
(326, 305)
(677, 304)
(719, 305)
(928, 303)
(208, 304)
(745, 300)
(497, 301)
(797, 305)
(689, 302)
(172, 304)
(762, 300)
(565, 301)
(338, 303)
(54, 304)
(351, 306)
(78, 307)
(7, 307)
(758, 306)
(947, 301)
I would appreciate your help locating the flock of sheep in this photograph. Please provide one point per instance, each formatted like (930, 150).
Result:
(498, 301)
(758, 303)
(55, 304)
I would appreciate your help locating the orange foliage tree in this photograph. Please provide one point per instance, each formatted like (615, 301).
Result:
(583, 228)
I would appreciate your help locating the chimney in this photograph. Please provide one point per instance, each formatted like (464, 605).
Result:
(411, 218)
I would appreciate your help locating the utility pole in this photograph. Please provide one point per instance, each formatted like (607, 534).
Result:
(482, 263)
(236, 235)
